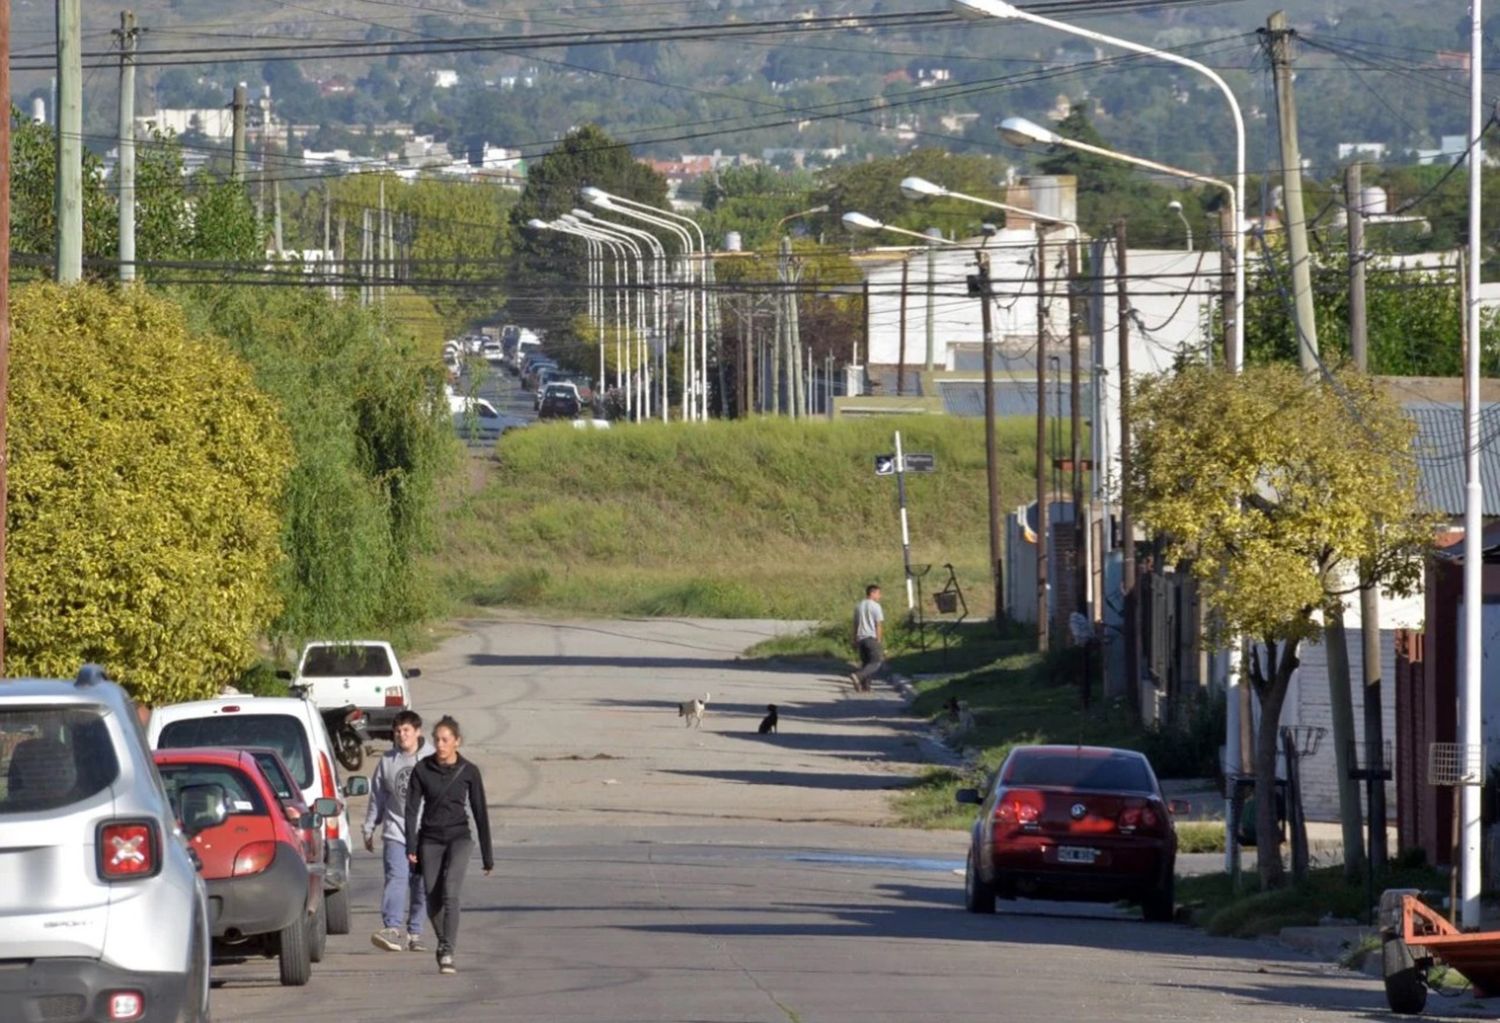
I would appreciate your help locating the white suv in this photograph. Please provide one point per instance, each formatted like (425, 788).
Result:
(102, 913)
(364, 673)
(294, 728)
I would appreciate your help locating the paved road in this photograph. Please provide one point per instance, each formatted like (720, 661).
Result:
(649, 873)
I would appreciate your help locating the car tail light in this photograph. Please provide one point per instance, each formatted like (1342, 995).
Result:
(325, 771)
(395, 696)
(1140, 817)
(127, 850)
(253, 858)
(1018, 809)
(126, 1005)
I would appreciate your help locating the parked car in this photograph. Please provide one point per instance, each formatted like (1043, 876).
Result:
(279, 777)
(548, 376)
(293, 727)
(533, 371)
(265, 895)
(560, 402)
(492, 352)
(364, 673)
(583, 384)
(1076, 823)
(475, 418)
(102, 914)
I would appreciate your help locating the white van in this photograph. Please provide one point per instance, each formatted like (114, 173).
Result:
(292, 727)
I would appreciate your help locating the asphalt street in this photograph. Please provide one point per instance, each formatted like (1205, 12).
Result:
(652, 873)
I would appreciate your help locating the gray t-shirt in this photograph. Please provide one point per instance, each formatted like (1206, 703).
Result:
(867, 619)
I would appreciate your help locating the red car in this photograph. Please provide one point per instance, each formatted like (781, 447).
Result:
(308, 823)
(1075, 823)
(265, 895)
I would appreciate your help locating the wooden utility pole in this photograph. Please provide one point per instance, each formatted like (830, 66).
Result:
(4, 299)
(991, 457)
(1075, 429)
(1279, 37)
(1369, 595)
(237, 120)
(1129, 595)
(901, 333)
(931, 300)
(1042, 512)
(125, 168)
(69, 191)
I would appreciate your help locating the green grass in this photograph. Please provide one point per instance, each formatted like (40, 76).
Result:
(1200, 837)
(747, 518)
(1219, 909)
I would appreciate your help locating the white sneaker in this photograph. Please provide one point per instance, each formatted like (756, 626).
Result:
(389, 938)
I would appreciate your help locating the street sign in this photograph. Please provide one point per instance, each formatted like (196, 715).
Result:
(885, 465)
(920, 463)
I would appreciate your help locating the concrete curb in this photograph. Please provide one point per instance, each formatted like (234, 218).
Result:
(1332, 943)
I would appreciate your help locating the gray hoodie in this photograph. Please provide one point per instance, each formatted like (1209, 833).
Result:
(388, 784)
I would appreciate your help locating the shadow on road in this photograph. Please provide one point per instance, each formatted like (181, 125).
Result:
(632, 663)
(806, 779)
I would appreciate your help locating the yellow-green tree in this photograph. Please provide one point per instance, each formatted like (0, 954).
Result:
(146, 474)
(1281, 494)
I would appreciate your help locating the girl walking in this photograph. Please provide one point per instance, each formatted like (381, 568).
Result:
(445, 788)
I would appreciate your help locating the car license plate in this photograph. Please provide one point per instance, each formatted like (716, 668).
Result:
(1075, 854)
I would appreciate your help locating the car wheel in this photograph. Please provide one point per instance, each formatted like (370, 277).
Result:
(336, 906)
(319, 925)
(1160, 906)
(294, 954)
(979, 897)
(1405, 989)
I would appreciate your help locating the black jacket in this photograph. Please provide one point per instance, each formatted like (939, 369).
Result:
(439, 795)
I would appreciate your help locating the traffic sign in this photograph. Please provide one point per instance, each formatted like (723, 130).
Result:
(920, 463)
(885, 465)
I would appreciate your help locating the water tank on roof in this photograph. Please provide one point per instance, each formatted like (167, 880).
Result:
(39, 110)
(732, 242)
(1373, 201)
(1055, 195)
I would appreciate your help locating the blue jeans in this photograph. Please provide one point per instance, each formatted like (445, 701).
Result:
(405, 901)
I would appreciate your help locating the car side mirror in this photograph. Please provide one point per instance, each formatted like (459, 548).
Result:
(284, 674)
(202, 807)
(358, 785)
(969, 796)
(1178, 807)
(309, 821)
(413, 672)
(326, 806)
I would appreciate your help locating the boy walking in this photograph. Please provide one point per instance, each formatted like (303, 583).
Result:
(869, 635)
(404, 902)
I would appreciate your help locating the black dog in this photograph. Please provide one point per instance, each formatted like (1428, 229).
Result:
(769, 722)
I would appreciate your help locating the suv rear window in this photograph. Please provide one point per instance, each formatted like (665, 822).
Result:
(1065, 769)
(240, 792)
(335, 661)
(51, 757)
(280, 732)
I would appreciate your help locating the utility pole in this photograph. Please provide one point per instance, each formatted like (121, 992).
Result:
(901, 344)
(126, 165)
(1042, 512)
(381, 255)
(327, 259)
(4, 296)
(365, 250)
(1075, 398)
(931, 298)
(793, 354)
(1226, 286)
(276, 235)
(341, 266)
(783, 276)
(1279, 36)
(1129, 595)
(69, 192)
(991, 457)
(237, 120)
(1369, 594)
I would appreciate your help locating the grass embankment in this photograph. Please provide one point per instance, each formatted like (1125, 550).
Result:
(1220, 909)
(743, 518)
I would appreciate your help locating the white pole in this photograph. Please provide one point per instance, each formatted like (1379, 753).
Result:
(911, 600)
(1471, 686)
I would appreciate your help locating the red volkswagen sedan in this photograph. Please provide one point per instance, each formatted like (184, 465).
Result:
(1074, 823)
(265, 897)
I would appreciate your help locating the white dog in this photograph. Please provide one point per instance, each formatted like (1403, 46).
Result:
(691, 711)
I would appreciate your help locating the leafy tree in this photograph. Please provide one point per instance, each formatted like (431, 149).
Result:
(1275, 490)
(146, 475)
(874, 188)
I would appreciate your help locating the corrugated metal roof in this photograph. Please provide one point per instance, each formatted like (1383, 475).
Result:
(1440, 455)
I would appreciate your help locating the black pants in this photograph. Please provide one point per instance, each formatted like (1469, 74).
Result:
(871, 658)
(443, 865)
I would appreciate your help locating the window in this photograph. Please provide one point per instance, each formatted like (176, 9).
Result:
(271, 766)
(51, 757)
(240, 793)
(280, 732)
(1067, 769)
(339, 661)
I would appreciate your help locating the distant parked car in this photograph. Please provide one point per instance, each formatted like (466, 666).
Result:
(102, 913)
(1074, 823)
(560, 402)
(533, 370)
(475, 418)
(492, 352)
(267, 896)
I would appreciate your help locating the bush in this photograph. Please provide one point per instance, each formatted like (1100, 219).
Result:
(146, 473)
(1189, 749)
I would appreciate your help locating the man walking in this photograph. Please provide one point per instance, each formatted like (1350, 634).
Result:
(869, 635)
(405, 901)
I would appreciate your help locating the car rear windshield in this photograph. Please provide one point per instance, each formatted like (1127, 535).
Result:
(280, 732)
(240, 793)
(52, 757)
(337, 661)
(1067, 769)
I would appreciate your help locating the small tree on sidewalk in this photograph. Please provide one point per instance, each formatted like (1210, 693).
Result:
(1272, 488)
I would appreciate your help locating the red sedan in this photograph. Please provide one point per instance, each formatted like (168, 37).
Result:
(1075, 823)
(265, 897)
